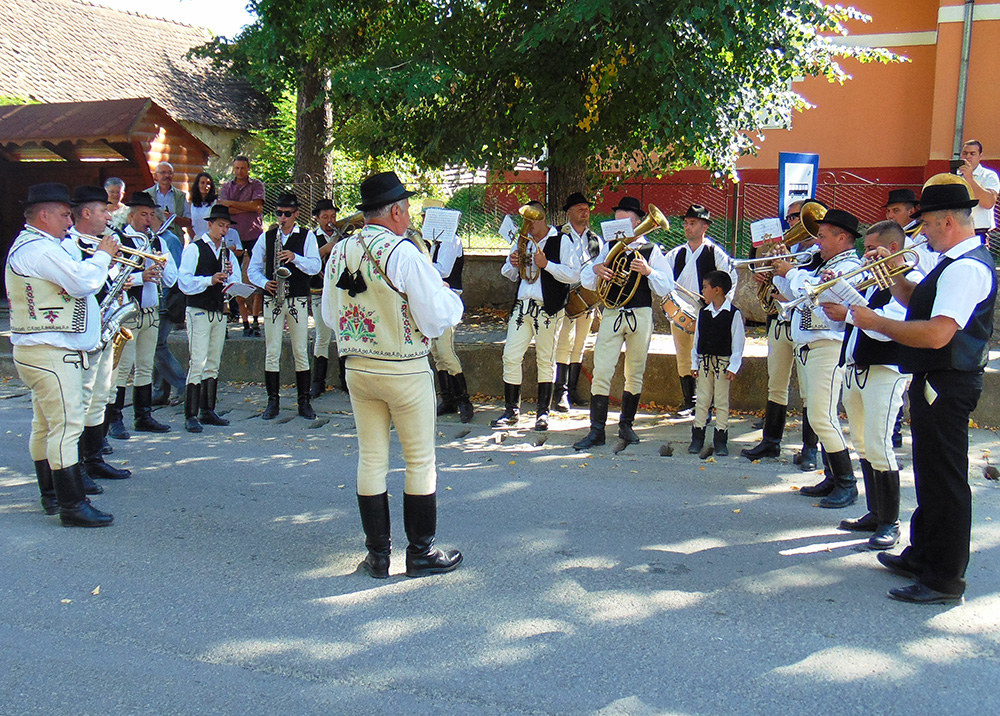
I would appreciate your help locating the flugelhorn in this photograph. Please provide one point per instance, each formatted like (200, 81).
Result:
(621, 287)
(883, 274)
(525, 259)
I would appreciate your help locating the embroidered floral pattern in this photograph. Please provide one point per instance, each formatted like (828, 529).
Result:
(50, 316)
(356, 324)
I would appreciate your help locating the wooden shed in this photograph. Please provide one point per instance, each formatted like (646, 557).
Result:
(86, 143)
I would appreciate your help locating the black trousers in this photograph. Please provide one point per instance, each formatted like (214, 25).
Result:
(941, 526)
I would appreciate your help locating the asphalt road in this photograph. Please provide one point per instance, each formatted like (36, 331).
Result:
(592, 583)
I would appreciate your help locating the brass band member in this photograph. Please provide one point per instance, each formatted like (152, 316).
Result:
(326, 235)
(55, 323)
(780, 359)
(631, 325)
(537, 313)
(145, 328)
(90, 219)
(873, 395)
(949, 320)
(691, 262)
(378, 274)
(449, 260)
(817, 343)
(285, 248)
(900, 208)
(569, 352)
(206, 269)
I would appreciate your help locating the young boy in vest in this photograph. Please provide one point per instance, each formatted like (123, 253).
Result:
(716, 356)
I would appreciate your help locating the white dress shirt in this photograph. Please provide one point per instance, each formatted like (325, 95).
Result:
(793, 285)
(38, 254)
(661, 277)
(190, 283)
(738, 335)
(567, 270)
(150, 291)
(432, 304)
(689, 274)
(309, 263)
(984, 219)
(962, 285)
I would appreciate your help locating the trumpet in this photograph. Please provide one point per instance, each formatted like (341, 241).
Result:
(133, 258)
(884, 273)
(765, 264)
(621, 287)
(525, 259)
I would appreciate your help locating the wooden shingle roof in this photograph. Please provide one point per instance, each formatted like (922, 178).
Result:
(71, 51)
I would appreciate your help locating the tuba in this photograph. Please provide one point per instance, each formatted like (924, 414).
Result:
(811, 213)
(525, 259)
(621, 287)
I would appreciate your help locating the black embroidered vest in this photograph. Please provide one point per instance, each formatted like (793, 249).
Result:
(212, 298)
(298, 282)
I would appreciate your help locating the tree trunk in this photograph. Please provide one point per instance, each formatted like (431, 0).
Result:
(566, 175)
(313, 120)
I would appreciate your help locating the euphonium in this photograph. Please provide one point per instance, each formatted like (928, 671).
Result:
(621, 287)
(526, 267)
(349, 224)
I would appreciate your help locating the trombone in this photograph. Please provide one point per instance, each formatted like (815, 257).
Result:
(765, 264)
(883, 275)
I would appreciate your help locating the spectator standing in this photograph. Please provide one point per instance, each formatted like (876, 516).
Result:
(202, 196)
(244, 197)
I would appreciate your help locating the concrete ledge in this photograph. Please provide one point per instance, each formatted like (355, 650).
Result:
(481, 355)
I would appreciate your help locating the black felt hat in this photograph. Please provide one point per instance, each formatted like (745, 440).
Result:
(697, 211)
(141, 198)
(288, 200)
(901, 196)
(842, 220)
(48, 192)
(575, 198)
(629, 203)
(324, 205)
(88, 195)
(219, 212)
(940, 197)
(381, 189)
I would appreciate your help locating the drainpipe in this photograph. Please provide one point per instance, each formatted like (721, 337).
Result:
(963, 78)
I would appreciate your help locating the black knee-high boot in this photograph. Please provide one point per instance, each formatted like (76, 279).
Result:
(598, 421)
(870, 521)
(375, 522)
(560, 398)
(630, 404)
(75, 509)
(209, 394)
(420, 520)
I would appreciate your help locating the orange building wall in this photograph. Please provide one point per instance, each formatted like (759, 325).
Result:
(896, 118)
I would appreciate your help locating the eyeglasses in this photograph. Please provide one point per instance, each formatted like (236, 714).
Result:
(280, 212)
(792, 216)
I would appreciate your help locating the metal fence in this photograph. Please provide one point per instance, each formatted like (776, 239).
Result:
(733, 206)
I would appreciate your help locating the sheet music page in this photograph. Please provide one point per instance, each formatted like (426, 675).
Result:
(441, 225)
(508, 229)
(243, 290)
(765, 230)
(843, 293)
(614, 228)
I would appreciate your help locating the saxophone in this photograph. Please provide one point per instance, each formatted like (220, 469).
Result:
(281, 272)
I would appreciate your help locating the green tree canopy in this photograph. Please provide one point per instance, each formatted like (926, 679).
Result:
(654, 85)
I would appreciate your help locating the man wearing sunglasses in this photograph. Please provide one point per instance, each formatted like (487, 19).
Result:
(286, 245)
